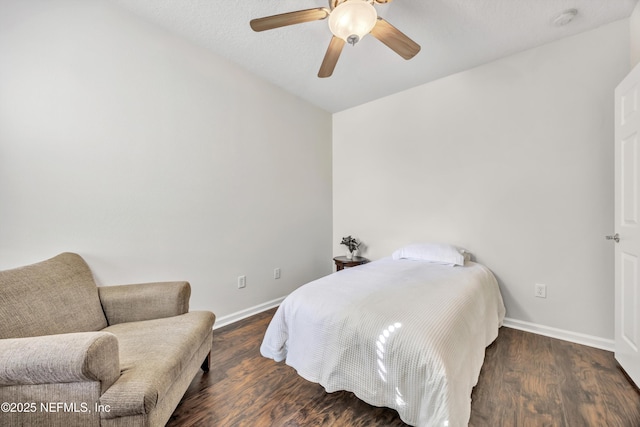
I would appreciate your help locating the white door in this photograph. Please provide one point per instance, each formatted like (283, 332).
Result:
(627, 224)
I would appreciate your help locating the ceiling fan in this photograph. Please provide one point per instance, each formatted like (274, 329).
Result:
(349, 21)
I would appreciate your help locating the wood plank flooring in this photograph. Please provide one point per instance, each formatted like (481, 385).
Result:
(526, 380)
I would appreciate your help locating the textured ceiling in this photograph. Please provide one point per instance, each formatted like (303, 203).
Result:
(455, 35)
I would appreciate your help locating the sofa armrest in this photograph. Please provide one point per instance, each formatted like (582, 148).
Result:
(145, 301)
(64, 358)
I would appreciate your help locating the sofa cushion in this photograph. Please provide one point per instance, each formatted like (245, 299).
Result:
(153, 354)
(56, 296)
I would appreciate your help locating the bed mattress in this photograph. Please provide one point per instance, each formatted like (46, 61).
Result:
(409, 335)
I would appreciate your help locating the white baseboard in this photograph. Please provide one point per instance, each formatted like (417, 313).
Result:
(575, 337)
(242, 314)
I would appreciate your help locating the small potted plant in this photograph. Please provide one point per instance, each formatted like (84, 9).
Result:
(352, 245)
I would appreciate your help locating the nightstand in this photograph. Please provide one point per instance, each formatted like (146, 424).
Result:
(343, 261)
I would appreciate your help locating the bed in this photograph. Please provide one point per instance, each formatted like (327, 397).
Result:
(408, 334)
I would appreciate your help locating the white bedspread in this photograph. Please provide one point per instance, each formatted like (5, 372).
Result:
(408, 335)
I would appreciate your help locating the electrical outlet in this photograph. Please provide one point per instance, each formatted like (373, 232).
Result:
(540, 290)
(276, 273)
(242, 282)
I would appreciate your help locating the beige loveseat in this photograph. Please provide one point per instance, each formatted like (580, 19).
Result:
(74, 354)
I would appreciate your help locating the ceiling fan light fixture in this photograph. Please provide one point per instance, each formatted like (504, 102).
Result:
(351, 20)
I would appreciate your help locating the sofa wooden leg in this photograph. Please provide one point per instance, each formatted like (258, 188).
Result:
(206, 365)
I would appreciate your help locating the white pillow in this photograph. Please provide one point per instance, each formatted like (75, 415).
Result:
(433, 252)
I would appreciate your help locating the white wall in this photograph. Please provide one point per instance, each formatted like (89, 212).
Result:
(512, 160)
(154, 159)
(634, 26)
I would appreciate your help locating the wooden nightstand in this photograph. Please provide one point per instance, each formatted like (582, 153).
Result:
(343, 261)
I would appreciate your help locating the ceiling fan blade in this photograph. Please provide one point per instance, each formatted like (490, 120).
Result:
(395, 39)
(331, 57)
(289, 18)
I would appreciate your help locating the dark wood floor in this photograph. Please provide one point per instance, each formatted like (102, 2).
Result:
(526, 380)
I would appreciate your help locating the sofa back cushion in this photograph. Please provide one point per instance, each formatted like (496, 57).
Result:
(56, 296)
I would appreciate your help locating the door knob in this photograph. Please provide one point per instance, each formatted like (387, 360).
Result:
(615, 238)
